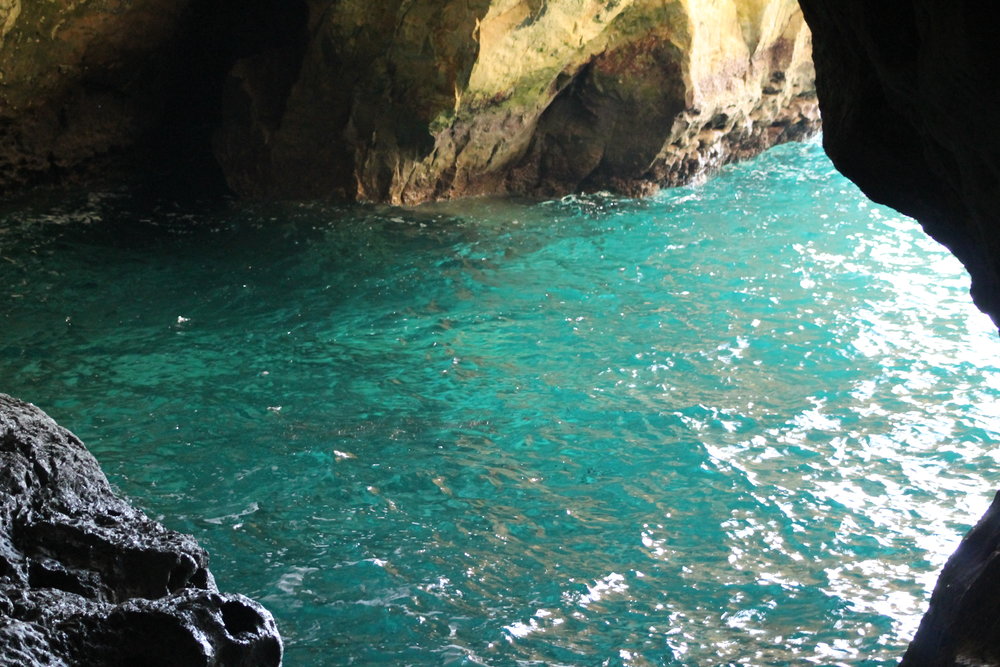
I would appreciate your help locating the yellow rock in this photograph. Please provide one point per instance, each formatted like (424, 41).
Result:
(406, 100)
(533, 97)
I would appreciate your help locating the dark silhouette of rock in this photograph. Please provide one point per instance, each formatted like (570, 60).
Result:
(961, 625)
(908, 91)
(87, 579)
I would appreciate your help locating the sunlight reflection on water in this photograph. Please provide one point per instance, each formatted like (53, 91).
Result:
(743, 423)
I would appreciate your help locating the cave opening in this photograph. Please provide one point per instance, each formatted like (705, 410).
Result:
(531, 430)
(226, 257)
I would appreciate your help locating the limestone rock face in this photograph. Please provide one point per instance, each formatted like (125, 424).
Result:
(424, 99)
(87, 579)
(76, 81)
(909, 91)
(402, 100)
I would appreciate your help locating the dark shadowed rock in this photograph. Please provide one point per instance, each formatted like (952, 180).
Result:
(87, 579)
(962, 625)
(908, 92)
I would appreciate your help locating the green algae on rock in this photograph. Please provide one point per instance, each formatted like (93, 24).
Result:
(401, 101)
(416, 102)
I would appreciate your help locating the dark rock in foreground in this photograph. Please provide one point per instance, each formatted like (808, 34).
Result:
(961, 625)
(87, 579)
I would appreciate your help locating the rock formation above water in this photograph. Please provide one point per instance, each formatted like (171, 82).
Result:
(403, 101)
(87, 579)
(909, 91)
(413, 100)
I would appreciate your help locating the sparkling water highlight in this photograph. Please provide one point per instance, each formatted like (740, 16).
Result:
(742, 423)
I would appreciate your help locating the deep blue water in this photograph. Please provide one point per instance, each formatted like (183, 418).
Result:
(739, 423)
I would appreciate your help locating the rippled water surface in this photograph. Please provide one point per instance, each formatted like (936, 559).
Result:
(741, 423)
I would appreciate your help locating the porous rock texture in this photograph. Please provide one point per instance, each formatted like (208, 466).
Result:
(87, 579)
(403, 100)
(910, 93)
(406, 101)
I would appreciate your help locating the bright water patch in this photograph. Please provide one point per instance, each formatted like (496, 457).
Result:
(742, 423)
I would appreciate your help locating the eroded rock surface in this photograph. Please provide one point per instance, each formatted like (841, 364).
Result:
(411, 101)
(104, 90)
(401, 101)
(87, 579)
(79, 82)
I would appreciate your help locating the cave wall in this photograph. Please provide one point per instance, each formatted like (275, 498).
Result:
(78, 82)
(425, 100)
(401, 101)
(908, 92)
(103, 90)
(410, 100)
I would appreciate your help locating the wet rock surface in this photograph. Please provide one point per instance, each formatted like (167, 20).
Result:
(87, 579)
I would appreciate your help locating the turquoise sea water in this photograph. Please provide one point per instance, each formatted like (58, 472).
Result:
(742, 423)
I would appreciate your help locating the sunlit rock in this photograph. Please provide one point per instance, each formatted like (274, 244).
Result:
(399, 102)
(426, 100)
